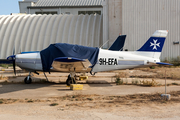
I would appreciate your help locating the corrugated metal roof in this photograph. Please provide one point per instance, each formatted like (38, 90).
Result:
(36, 32)
(41, 3)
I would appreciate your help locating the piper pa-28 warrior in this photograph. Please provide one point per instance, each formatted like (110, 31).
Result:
(62, 57)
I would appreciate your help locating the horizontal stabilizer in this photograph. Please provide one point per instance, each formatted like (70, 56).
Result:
(161, 63)
(67, 59)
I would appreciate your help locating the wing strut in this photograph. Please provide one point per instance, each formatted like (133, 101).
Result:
(46, 76)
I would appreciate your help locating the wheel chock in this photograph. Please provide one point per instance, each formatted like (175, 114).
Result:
(76, 87)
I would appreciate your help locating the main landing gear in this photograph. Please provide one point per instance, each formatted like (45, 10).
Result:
(71, 79)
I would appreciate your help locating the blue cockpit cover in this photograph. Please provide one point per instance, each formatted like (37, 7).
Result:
(67, 50)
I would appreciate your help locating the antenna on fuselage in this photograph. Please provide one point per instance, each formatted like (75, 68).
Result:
(104, 44)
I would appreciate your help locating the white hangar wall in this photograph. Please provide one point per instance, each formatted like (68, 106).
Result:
(36, 32)
(141, 18)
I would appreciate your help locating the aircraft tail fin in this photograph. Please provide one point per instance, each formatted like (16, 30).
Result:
(118, 43)
(154, 45)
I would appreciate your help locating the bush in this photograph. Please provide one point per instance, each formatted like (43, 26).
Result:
(54, 104)
(118, 81)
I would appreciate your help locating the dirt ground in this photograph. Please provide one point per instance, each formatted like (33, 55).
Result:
(100, 99)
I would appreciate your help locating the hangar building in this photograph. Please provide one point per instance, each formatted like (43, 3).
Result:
(75, 7)
(138, 19)
(36, 32)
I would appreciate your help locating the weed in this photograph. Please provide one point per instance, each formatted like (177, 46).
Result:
(14, 100)
(152, 67)
(175, 84)
(135, 82)
(54, 104)
(6, 65)
(3, 78)
(90, 99)
(1, 101)
(30, 101)
(118, 81)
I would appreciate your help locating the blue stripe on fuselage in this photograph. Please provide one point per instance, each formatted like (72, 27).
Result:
(29, 52)
(122, 62)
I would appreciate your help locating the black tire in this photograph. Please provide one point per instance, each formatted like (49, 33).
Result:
(69, 81)
(26, 81)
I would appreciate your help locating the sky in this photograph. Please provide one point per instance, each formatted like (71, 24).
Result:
(9, 6)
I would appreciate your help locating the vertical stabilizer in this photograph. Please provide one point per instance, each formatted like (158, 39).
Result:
(154, 45)
(118, 43)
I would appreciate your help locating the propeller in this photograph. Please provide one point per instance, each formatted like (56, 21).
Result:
(13, 59)
(14, 67)
(14, 63)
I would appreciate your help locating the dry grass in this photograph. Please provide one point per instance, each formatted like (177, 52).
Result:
(119, 81)
(6, 65)
(118, 78)
(100, 101)
(152, 83)
(54, 104)
(171, 73)
(3, 78)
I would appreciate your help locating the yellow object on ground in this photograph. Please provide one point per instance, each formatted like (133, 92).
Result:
(76, 87)
(83, 77)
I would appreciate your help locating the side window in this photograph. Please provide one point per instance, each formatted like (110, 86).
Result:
(44, 12)
(89, 12)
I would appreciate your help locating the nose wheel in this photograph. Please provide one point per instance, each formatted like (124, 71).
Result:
(28, 80)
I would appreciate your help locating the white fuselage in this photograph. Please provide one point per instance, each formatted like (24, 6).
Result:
(118, 60)
(107, 60)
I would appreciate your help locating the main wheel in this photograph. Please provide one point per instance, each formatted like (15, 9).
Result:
(26, 81)
(70, 81)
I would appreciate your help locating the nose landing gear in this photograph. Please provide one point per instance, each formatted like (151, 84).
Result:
(28, 79)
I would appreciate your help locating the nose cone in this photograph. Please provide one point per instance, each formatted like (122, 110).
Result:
(11, 58)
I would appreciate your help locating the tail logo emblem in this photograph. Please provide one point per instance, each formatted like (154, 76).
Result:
(155, 44)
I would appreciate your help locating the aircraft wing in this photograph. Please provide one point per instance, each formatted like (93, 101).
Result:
(159, 63)
(68, 64)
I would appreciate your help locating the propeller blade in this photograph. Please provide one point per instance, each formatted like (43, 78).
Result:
(14, 51)
(14, 67)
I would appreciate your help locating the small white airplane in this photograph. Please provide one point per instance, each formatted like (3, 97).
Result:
(62, 57)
